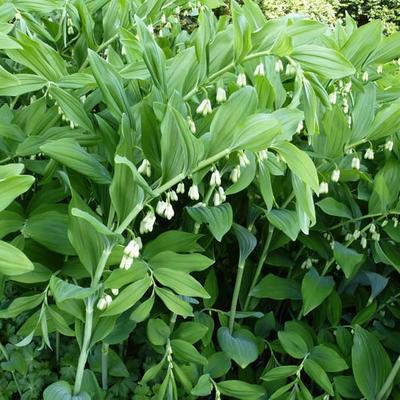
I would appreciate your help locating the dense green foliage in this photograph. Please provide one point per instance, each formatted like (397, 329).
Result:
(332, 11)
(196, 204)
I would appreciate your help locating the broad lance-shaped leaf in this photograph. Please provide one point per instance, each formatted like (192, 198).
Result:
(13, 261)
(348, 259)
(286, 221)
(181, 282)
(153, 56)
(240, 346)
(72, 155)
(300, 163)
(110, 85)
(229, 115)
(218, 219)
(315, 289)
(180, 149)
(277, 288)
(72, 108)
(324, 61)
(247, 242)
(384, 123)
(371, 364)
(62, 290)
(241, 390)
(12, 187)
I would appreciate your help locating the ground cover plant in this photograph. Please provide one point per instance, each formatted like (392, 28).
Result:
(196, 202)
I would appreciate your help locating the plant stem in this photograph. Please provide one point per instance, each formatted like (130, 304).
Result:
(3, 350)
(85, 345)
(260, 265)
(235, 296)
(389, 380)
(57, 347)
(104, 365)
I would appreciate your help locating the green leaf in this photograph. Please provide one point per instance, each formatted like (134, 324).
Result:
(180, 149)
(279, 373)
(203, 386)
(331, 206)
(387, 50)
(128, 297)
(142, 311)
(293, 344)
(174, 303)
(328, 359)
(110, 85)
(362, 42)
(371, 364)
(241, 390)
(300, 164)
(324, 61)
(384, 122)
(13, 186)
(247, 242)
(181, 282)
(187, 352)
(286, 221)
(190, 332)
(240, 346)
(315, 289)
(157, 332)
(277, 288)
(72, 108)
(20, 305)
(62, 290)
(72, 155)
(348, 259)
(318, 375)
(218, 219)
(240, 105)
(57, 391)
(13, 261)
(183, 263)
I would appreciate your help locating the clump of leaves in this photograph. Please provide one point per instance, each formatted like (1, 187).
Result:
(211, 211)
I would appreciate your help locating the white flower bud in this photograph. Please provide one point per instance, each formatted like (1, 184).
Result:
(365, 76)
(389, 145)
(150, 28)
(395, 222)
(102, 304)
(180, 188)
(333, 97)
(363, 242)
(194, 192)
(145, 168)
(169, 212)
(300, 127)
(384, 223)
(115, 292)
(217, 199)
(221, 192)
(335, 175)
(290, 69)
(221, 95)
(379, 69)
(262, 155)
(123, 50)
(215, 179)
(241, 80)
(349, 120)
(356, 234)
(132, 249)
(348, 237)
(347, 87)
(204, 108)
(192, 125)
(147, 223)
(260, 70)
(108, 299)
(70, 30)
(376, 236)
(235, 174)
(172, 195)
(71, 124)
(372, 228)
(323, 188)
(369, 154)
(278, 66)
(243, 160)
(161, 207)
(355, 163)
(163, 19)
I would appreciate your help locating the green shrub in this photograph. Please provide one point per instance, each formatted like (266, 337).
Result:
(195, 213)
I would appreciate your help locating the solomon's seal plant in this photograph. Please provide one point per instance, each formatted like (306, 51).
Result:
(197, 203)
